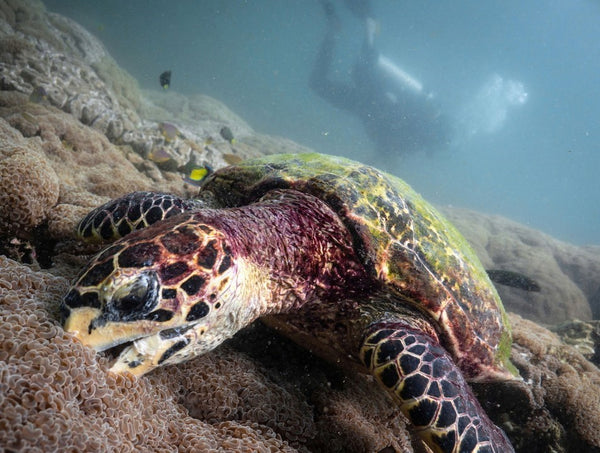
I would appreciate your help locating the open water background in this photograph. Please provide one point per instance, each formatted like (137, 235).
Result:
(540, 166)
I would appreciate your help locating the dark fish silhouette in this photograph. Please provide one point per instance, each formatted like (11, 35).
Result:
(165, 79)
(227, 134)
(513, 279)
(38, 95)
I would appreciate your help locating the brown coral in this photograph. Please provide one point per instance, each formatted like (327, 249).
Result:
(563, 382)
(271, 397)
(28, 190)
(54, 169)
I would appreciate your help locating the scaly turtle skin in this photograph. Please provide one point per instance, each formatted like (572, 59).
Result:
(337, 255)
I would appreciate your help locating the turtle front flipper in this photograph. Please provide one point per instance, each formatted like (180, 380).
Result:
(133, 211)
(430, 390)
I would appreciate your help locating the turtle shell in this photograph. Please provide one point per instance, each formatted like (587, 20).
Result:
(403, 241)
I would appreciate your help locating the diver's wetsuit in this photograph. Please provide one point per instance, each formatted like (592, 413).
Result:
(397, 122)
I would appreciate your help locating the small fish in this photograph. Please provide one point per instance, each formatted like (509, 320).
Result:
(29, 117)
(197, 175)
(227, 134)
(163, 159)
(168, 131)
(232, 159)
(514, 280)
(159, 155)
(38, 95)
(165, 80)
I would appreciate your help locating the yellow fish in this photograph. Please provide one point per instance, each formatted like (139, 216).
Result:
(197, 175)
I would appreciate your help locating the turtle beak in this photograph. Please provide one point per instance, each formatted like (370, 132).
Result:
(79, 314)
(89, 327)
(78, 323)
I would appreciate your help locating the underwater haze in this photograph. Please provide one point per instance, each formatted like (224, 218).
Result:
(520, 82)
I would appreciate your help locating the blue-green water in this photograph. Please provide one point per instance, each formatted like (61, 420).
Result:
(539, 166)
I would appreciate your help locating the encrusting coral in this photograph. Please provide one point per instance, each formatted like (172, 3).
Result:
(563, 382)
(29, 187)
(54, 169)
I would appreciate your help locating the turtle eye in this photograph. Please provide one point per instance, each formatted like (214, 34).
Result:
(137, 298)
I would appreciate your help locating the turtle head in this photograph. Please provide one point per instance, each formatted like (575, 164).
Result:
(166, 293)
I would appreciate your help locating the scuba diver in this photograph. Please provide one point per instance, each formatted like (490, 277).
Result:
(398, 114)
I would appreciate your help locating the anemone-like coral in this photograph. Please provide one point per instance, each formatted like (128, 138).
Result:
(57, 396)
(29, 187)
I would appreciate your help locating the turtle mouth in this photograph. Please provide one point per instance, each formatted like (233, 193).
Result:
(113, 353)
(144, 353)
(119, 356)
(129, 347)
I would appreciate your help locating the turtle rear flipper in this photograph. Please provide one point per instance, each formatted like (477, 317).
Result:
(430, 390)
(133, 211)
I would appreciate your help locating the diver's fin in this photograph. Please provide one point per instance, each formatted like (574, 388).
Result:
(332, 18)
(360, 8)
(513, 279)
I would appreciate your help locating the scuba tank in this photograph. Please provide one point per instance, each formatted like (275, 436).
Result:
(397, 78)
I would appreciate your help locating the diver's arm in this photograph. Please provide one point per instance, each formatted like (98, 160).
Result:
(363, 11)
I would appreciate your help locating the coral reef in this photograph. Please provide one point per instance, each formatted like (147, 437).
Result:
(56, 62)
(54, 169)
(583, 335)
(49, 54)
(563, 409)
(68, 146)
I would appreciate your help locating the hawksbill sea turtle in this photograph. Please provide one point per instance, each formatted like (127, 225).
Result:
(341, 257)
